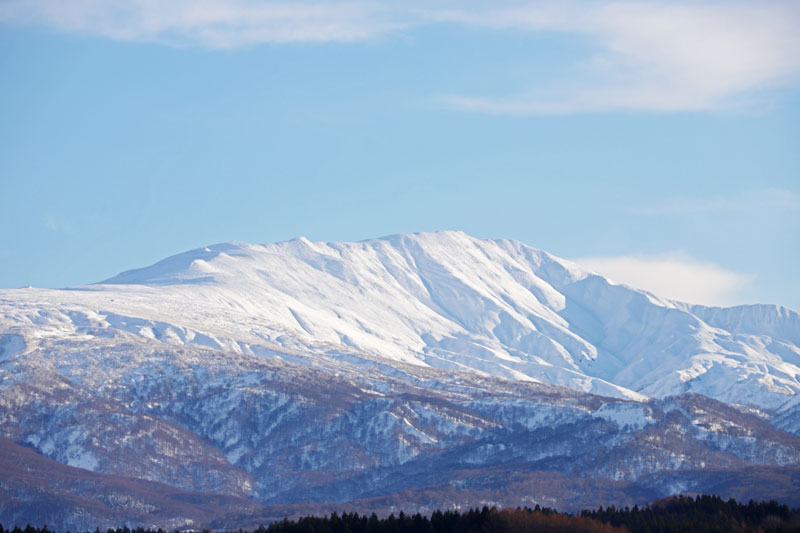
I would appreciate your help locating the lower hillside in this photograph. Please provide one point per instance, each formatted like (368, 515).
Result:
(36, 490)
(687, 514)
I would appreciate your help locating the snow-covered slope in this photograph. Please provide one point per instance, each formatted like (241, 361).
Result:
(445, 300)
(305, 371)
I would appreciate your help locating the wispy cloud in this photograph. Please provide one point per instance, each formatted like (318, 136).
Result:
(780, 199)
(58, 224)
(655, 56)
(648, 55)
(51, 223)
(207, 23)
(675, 276)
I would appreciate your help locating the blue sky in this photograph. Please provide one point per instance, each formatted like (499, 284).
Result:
(654, 142)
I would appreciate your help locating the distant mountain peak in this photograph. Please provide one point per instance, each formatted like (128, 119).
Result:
(499, 307)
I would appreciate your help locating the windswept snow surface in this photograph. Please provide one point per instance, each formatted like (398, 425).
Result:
(444, 300)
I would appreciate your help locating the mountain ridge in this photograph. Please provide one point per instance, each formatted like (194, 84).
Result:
(423, 364)
(536, 304)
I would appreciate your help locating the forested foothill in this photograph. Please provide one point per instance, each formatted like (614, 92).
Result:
(676, 514)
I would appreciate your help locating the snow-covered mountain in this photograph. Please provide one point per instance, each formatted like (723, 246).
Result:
(340, 371)
(443, 300)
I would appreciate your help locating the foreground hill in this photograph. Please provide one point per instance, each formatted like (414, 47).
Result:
(38, 490)
(41, 491)
(426, 364)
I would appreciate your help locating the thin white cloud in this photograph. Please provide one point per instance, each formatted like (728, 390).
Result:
(674, 276)
(206, 23)
(648, 55)
(58, 224)
(655, 56)
(51, 223)
(775, 199)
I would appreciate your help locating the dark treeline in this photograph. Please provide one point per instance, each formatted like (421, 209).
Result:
(475, 520)
(677, 514)
(702, 513)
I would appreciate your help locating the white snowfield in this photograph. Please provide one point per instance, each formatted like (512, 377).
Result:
(444, 300)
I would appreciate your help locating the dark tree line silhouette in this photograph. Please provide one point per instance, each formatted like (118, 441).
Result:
(701, 513)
